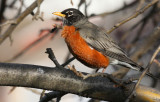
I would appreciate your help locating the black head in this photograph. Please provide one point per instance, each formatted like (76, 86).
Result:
(70, 16)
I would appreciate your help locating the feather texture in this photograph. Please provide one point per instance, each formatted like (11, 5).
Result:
(98, 39)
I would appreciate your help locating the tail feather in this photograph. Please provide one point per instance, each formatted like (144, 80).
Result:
(148, 74)
(137, 67)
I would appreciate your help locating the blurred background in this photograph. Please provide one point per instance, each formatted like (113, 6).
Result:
(28, 42)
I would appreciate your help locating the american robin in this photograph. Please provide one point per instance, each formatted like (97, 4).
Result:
(90, 44)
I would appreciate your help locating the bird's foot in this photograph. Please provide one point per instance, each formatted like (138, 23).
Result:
(72, 68)
(110, 77)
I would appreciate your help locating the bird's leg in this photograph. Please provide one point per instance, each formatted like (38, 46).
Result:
(110, 77)
(75, 71)
(88, 75)
(103, 70)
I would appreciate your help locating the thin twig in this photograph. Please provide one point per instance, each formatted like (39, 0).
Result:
(8, 22)
(157, 62)
(31, 45)
(154, 55)
(36, 15)
(68, 61)
(34, 91)
(12, 3)
(144, 19)
(11, 28)
(42, 94)
(67, 56)
(85, 7)
(141, 2)
(80, 3)
(52, 57)
(147, 45)
(132, 16)
(71, 2)
(2, 10)
(11, 90)
(20, 8)
(122, 8)
(143, 73)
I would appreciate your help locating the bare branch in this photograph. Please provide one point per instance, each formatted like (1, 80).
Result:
(122, 8)
(71, 2)
(59, 79)
(147, 45)
(143, 74)
(34, 91)
(154, 55)
(36, 15)
(132, 16)
(11, 28)
(44, 34)
(11, 90)
(52, 57)
(141, 2)
(157, 62)
(8, 22)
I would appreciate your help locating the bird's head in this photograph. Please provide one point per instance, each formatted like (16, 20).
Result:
(70, 16)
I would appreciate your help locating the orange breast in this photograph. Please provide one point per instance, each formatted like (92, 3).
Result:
(80, 49)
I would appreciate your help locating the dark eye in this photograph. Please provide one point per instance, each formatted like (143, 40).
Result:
(70, 13)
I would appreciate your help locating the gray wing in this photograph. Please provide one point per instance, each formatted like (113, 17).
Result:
(103, 42)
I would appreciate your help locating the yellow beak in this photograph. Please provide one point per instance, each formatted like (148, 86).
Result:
(59, 14)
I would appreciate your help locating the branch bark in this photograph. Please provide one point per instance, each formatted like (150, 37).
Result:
(61, 79)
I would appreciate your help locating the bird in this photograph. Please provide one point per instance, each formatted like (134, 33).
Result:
(90, 44)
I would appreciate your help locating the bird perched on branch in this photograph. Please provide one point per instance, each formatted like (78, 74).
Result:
(90, 44)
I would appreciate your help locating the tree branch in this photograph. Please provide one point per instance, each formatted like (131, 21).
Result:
(126, 6)
(147, 45)
(64, 80)
(18, 20)
(132, 16)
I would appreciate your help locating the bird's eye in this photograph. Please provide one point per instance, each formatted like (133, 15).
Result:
(70, 13)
